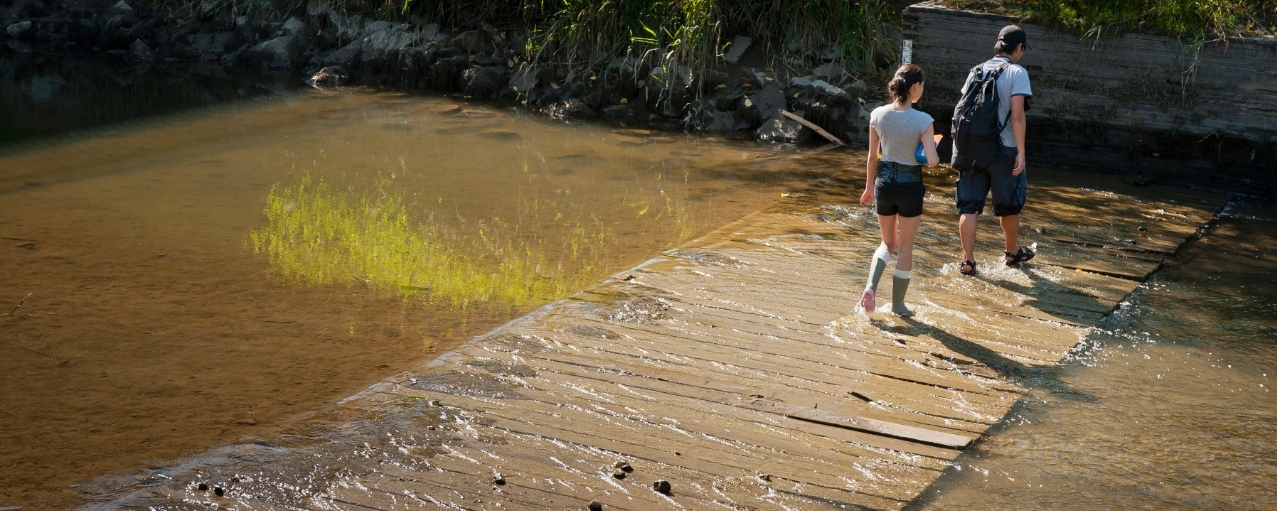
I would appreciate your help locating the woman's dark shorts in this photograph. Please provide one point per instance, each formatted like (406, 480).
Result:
(898, 190)
(899, 199)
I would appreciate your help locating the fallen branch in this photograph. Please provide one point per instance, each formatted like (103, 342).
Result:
(20, 302)
(41, 354)
(811, 125)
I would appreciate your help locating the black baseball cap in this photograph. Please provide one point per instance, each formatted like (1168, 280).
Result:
(1014, 35)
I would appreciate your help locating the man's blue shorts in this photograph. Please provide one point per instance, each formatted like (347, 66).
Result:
(1009, 192)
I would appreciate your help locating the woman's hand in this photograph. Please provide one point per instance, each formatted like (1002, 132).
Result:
(867, 198)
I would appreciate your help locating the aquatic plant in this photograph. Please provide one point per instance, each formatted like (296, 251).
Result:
(319, 235)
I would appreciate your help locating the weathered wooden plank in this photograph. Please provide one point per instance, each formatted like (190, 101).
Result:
(866, 418)
(922, 435)
(843, 370)
(542, 476)
(665, 445)
(190, 499)
(693, 394)
(708, 379)
(674, 386)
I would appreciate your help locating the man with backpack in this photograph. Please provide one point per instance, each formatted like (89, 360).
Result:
(988, 148)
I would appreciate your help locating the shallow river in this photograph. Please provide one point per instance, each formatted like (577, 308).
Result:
(1170, 406)
(191, 280)
(198, 279)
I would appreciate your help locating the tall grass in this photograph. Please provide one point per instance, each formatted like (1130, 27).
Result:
(371, 234)
(319, 235)
(1185, 19)
(695, 33)
(586, 34)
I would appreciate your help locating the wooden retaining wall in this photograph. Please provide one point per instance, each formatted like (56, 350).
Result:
(1133, 103)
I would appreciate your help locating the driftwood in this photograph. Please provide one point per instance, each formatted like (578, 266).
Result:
(813, 127)
(20, 302)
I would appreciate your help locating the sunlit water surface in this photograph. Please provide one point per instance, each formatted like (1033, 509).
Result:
(1170, 406)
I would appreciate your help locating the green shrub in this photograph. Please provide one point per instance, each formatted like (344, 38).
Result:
(585, 34)
(1185, 19)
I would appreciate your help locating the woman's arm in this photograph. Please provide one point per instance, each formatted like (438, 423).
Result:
(871, 168)
(929, 145)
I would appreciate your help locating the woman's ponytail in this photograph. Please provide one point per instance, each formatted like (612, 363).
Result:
(905, 78)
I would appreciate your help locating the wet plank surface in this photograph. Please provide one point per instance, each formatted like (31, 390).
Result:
(735, 368)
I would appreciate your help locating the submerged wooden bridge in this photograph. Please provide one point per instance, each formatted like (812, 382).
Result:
(730, 373)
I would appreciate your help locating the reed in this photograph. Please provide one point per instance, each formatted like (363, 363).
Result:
(584, 35)
(373, 235)
(318, 235)
(1185, 19)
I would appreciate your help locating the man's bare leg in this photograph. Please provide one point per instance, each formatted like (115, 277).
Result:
(1011, 232)
(966, 232)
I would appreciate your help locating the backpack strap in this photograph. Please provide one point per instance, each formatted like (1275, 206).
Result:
(995, 74)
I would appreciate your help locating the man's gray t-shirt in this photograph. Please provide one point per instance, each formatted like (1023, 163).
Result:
(899, 132)
(1013, 81)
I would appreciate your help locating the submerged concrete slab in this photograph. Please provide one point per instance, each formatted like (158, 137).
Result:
(730, 373)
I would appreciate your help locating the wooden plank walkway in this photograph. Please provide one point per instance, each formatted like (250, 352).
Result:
(734, 368)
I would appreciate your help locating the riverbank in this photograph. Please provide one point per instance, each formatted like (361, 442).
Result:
(1159, 108)
(743, 91)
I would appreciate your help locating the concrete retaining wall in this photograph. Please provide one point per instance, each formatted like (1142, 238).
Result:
(1139, 104)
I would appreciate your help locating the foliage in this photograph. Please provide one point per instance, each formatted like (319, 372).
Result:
(319, 235)
(861, 33)
(1185, 19)
(270, 8)
(582, 36)
(585, 34)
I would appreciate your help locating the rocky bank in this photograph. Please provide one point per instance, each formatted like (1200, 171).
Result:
(748, 95)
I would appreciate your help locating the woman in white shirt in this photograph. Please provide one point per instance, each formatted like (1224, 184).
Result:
(901, 140)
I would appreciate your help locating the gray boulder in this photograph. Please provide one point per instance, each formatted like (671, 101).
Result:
(484, 82)
(281, 53)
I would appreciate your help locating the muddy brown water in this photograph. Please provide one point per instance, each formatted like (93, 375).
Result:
(141, 326)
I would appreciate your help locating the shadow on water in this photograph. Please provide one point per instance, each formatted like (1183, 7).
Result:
(1078, 304)
(1181, 375)
(47, 95)
(1045, 378)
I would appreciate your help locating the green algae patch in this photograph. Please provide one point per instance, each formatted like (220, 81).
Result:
(318, 235)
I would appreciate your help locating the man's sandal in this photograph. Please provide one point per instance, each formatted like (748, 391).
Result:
(1021, 255)
(967, 267)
